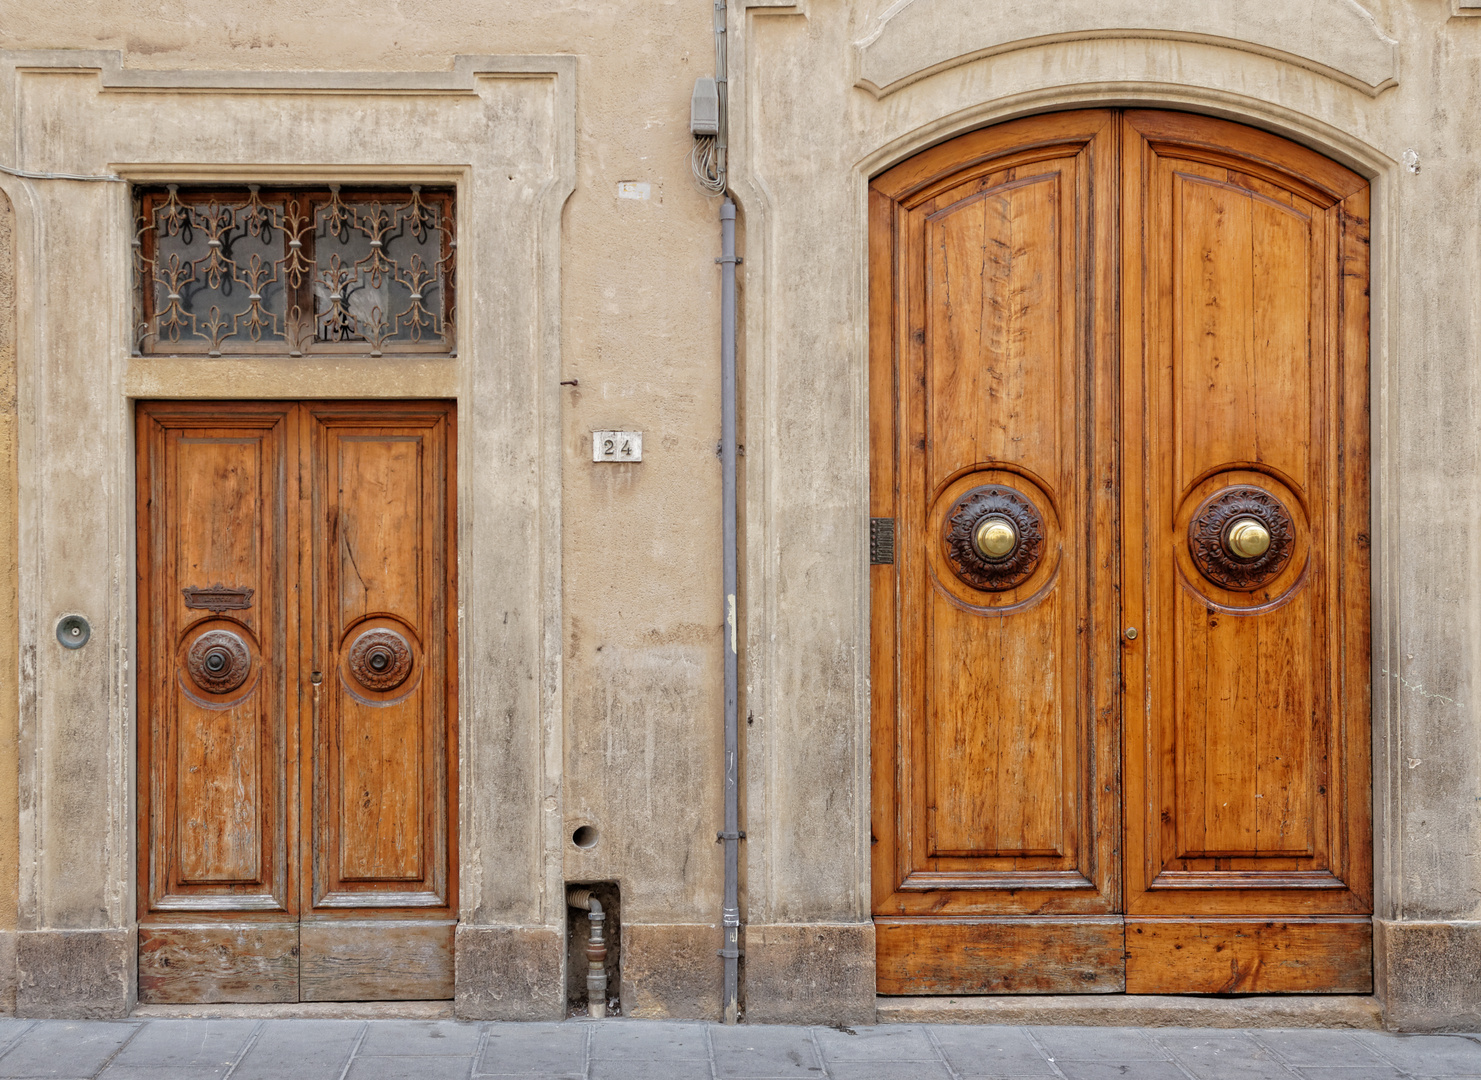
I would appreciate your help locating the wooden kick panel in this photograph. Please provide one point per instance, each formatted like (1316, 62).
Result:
(1246, 956)
(999, 956)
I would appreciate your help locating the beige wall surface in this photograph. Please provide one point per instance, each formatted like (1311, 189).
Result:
(592, 615)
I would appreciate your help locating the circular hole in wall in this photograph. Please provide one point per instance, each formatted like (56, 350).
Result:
(585, 837)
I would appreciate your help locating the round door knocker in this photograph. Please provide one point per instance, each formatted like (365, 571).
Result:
(1241, 538)
(380, 659)
(219, 661)
(994, 538)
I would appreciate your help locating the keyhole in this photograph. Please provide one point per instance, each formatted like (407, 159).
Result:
(215, 662)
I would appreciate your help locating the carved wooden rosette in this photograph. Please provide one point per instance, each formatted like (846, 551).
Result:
(1208, 538)
(380, 659)
(219, 661)
(969, 564)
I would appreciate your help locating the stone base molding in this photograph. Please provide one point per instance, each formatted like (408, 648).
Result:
(509, 973)
(671, 970)
(77, 974)
(809, 973)
(1359, 1011)
(1428, 974)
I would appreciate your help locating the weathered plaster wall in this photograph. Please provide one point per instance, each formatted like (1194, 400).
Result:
(632, 745)
(833, 92)
(10, 643)
(601, 707)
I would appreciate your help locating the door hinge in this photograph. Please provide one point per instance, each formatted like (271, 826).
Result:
(881, 541)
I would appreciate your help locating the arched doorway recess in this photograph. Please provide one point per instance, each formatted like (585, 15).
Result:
(1119, 426)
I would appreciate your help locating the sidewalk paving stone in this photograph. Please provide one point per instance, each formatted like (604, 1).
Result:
(1097, 1044)
(886, 1042)
(1122, 1070)
(416, 1038)
(302, 1049)
(1319, 1049)
(650, 1040)
(747, 1052)
(887, 1070)
(432, 1067)
(624, 1049)
(66, 1048)
(980, 1052)
(1426, 1055)
(1223, 1054)
(554, 1050)
(186, 1044)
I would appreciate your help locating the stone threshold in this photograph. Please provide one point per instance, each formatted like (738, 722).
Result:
(1136, 1010)
(301, 1010)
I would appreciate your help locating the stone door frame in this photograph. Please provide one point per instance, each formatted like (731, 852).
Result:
(501, 129)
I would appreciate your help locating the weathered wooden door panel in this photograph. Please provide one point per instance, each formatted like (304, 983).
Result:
(1128, 338)
(274, 539)
(378, 793)
(1247, 381)
(215, 802)
(1006, 711)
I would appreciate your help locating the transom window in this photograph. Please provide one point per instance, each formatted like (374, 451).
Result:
(291, 271)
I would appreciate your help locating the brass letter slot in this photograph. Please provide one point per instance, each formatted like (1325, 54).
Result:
(217, 598)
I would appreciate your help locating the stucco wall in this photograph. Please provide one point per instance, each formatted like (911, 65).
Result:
(592, 615)
(834, 93)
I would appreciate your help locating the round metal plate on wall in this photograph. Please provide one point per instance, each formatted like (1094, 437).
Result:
(73, 631)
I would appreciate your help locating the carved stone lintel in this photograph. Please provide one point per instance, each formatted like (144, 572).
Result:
(380, 659)
(217, 598)
(1207, 538)
(969, 564)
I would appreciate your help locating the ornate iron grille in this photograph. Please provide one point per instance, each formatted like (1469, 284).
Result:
(253, 270)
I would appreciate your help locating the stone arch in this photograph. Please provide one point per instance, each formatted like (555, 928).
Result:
(917, 38)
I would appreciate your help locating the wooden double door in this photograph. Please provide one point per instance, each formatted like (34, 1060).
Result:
(297, 701)
(1119, 407)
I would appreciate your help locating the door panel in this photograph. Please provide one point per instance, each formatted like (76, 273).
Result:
(215, 803)
(1005, 715)
(1251, 755)
(295, 757)
(382, 717)
(1134, 337)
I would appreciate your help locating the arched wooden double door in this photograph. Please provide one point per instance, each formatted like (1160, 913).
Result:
(1119, 394)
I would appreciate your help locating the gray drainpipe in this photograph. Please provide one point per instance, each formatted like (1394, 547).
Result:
(731, 837)
(732, 834)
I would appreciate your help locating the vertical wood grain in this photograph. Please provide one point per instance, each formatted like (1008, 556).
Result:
(995, 749)
(1220, 272)
(241, 835)
(1244, 758)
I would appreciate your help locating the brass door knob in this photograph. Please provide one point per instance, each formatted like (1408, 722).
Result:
(1247, 538)
(995, 537)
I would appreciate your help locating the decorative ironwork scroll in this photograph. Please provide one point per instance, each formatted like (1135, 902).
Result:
(969, 563)
(249, 270)
(1208, 537)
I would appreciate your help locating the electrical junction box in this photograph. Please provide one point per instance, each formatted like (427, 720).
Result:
(704, 107)
(616, 446)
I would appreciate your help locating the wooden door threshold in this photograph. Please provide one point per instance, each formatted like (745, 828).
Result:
(302, 1010)
(1138, 1010)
